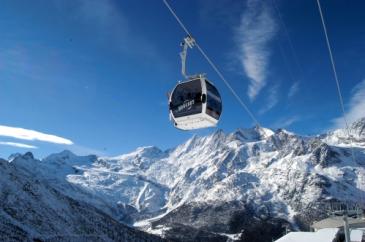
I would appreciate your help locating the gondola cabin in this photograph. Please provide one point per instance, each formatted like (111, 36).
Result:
(195, 104)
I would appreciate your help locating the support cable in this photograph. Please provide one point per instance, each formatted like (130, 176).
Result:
(336, 78)
(338, 89)
(215, 68)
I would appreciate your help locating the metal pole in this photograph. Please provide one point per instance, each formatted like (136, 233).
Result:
(346, 228)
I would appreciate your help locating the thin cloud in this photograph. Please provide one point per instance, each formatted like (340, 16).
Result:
(286, 122)
(256, 30)
(19, 145)
(113, 27)
(356, 108)
(293, 89)
(272, 100)
(27, 134)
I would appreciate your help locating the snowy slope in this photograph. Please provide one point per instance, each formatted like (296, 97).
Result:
(32, 210)
(340, 136)
(260, 174)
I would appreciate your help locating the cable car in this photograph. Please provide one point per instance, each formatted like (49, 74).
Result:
(195, 104)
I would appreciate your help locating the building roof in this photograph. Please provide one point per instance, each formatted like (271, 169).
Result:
(322, 235)
(337, 222)
(357, 235)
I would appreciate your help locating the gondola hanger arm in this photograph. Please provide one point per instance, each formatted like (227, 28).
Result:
(187, 42)
(241, 102)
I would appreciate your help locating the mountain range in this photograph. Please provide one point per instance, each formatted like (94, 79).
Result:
(248, 185)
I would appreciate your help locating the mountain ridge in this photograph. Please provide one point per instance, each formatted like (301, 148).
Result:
(33, 210)
(276, 178)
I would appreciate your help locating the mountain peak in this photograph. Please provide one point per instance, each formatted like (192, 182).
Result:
(358, 127)
(252, 134)
(148, 148)
(67, 156)
(148, 151)
(218, 134)
(264, 132)
(64, 155)
(284, 131)
(67, 153)
(341, 136)
(14, 156)
(26, 156)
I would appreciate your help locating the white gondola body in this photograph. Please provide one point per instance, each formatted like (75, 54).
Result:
(204, 115)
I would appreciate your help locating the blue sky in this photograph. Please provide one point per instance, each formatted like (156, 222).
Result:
(94, 74)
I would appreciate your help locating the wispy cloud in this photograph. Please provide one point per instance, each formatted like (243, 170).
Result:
(293, 89)
(256, 31)
(19, 145)
(27, 134)
(286, 122)
(112, 26)
(356, 109)
(272, 99)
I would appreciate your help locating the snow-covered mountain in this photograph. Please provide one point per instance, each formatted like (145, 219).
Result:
(217, 186)
(33, 210)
